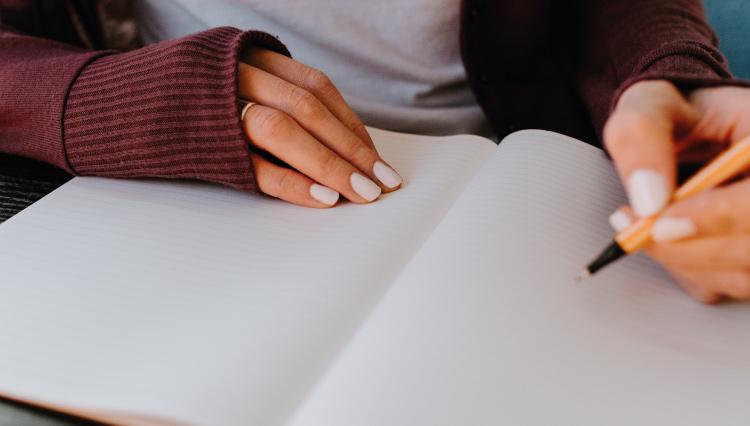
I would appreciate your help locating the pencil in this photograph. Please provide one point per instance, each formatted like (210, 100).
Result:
(725, 166)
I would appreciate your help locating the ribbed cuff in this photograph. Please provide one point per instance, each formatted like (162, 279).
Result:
(166, 110)
(688, 65)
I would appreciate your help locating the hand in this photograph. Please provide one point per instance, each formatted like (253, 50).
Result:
(704, 242)
(301, 119)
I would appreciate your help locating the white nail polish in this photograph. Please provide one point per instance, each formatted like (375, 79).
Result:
(619, 220)
(647, 191)
(363, 186)
(385, 174)
(324, 194)
(672, 228)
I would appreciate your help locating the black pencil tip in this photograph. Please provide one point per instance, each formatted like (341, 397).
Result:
(609, 255)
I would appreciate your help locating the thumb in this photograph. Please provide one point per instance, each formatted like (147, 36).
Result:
(640, 136)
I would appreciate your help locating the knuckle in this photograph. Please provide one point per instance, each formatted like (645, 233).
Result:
(317, 81)
(623, 125)
(286, 181)
(270, 123)
(358, 127)
(330, 166)
(302, 103)
(360, 152)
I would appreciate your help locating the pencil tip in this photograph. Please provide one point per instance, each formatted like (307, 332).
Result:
(583, 275)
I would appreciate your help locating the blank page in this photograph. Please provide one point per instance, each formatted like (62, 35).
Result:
(487, 326)
(201, 304)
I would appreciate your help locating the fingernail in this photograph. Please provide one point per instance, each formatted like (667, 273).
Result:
(619, 220)
(647, 191)
(363, 186)
(672, 228)
(385, 174)
(324, 194)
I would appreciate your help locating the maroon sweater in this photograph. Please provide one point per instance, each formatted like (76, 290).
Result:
(170, 110)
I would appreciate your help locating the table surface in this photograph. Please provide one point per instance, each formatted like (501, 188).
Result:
(22, 182)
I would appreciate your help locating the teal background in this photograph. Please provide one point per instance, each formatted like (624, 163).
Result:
(731, 20)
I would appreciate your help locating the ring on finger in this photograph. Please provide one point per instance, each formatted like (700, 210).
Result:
(247, 107)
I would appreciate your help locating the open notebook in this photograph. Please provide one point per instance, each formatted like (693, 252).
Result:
(451, 301)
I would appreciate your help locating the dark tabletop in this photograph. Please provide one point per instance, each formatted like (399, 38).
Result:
(24, 181)
(21, 183)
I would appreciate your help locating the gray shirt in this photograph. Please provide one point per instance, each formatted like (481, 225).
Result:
(397, 62)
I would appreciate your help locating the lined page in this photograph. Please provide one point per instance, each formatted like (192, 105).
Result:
(487, 326)
(201, 304)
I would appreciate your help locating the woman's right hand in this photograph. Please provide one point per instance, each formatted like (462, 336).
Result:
(300, 118)
(703, 241)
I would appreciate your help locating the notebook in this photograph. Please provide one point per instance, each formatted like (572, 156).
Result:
(451, 301)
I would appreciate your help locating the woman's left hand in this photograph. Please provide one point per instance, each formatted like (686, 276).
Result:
(704, 242)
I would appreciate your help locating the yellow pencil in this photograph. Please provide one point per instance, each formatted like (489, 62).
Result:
(638, 235)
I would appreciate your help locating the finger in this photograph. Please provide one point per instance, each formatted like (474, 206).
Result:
(290, 185)
(697, 285)
(640, 137)
(622, 218)
(720, 211)
(725, 113)
(313, 116)
(312, 80)
(732, 283)
(732, 252)
(277, 133)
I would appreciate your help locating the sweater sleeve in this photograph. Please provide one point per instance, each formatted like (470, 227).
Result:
(166, 110)
(626, 41)
(35, 75)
